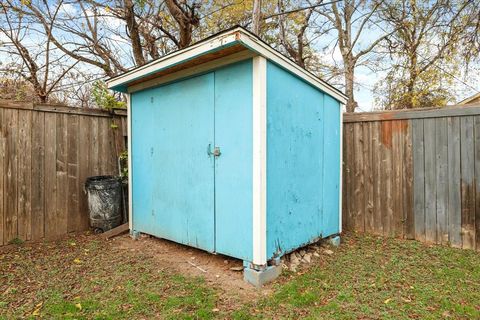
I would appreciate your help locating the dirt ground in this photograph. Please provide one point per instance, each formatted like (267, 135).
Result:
(216, 269)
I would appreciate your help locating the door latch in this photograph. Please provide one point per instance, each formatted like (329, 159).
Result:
(216, 151)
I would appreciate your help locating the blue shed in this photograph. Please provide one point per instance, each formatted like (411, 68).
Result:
(233, 149)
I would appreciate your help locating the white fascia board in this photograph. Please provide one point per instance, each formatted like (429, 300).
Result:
(274, 56)
(177, 57)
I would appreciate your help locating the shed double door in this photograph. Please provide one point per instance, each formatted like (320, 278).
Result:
(181, 189)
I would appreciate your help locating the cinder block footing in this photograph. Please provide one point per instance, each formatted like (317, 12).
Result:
(135, 234)
(334, 241)
(259, 277)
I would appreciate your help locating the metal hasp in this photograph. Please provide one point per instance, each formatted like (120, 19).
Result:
(216, 151)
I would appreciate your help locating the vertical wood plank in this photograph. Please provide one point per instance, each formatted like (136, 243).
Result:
(344, 177)
(387, 176)
(398, 173)
(73, 217)
(430, 181)
(367, 156)
(38, 174)
(50, 175)
(24, 175)
(359, 178)
(11, 186)
(467, 184)
(84, 168)
(3, 138)
(477, 181)
(377, 179)
(350, 160)
(94, 147)
(454, 193)
(441, 147)
(61, 175)
(408, 182)
(418, 178)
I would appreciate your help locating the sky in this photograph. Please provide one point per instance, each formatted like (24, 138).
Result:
(365, 78)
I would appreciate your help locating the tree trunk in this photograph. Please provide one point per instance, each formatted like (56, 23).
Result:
(256, 16)
(133, 31)
(349, 84)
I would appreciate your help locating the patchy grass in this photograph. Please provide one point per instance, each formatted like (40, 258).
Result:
(374, 278)
(85, 279)
(366, 278)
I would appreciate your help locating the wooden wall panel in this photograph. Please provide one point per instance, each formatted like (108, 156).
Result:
(3, 138)
(46, 154)
(467, 169)
(38, 175)
(418, 178)
(419, 172)
(10, 179)
(454, 195)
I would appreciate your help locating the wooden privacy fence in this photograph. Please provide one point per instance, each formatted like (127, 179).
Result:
(414, 174)
(46, 153)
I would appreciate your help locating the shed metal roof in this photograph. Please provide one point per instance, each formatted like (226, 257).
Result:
(229, 42)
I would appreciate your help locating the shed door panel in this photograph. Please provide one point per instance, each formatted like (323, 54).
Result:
(173, 175)
(233, 168)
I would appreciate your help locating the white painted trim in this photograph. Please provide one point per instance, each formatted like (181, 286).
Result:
(174, 58)
(259, 178)
(238, 35)
(340, 186)
(130, 172)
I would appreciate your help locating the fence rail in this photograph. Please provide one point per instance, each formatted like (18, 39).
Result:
(46, 153)
(414, 174)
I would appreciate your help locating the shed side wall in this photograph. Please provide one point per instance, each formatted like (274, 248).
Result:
(296, 131)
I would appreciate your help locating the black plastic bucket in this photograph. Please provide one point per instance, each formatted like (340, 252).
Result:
(104, 202)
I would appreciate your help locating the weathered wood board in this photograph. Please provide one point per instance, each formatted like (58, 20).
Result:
(419, 172)
(46, 153)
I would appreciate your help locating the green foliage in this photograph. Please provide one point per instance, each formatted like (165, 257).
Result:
(124, 164)
(103, 98)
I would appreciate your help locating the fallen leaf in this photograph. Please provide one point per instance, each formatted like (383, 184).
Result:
(78, 306)
(36, 312)
(215, 310)
(77, 260)
(387, 301)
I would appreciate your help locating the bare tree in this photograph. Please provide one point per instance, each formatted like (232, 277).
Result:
(351, 19)
(38, 62)
(428, 37)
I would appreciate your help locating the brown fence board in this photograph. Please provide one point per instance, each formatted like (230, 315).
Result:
(38, 175)
(477, 180)
(368, 176)
(46, 153)
(454, 196)
(11, 186)
(3, 135)
(467, 186)
(24, 175)
(359, 178)
(377, 186)
(418, 172)
(73, 219)
(408, 186)
(441, 162)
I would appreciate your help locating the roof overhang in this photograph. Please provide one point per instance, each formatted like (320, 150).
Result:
(236, 42)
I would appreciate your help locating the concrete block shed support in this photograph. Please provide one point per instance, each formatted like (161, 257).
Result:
(334, 241)
(260, 275)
